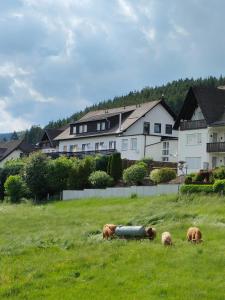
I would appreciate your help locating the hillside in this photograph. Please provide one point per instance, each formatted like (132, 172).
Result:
(56, 251)
(174, 93)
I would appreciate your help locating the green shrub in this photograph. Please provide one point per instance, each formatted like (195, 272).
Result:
(147, 160)
(219, 173)
(219, 186)
(15, 188)
(80, 172)
(135, 174)
(196, 188)
(100, 179)
(101, 162)
(188, 179)
(115, 166)
(162, 175)
(58, 173)
(36, 171)
(11, 167)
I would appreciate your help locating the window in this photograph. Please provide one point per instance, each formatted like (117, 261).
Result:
(214, 162)
(74, 129)
(193, 163)
(169, 129)
(85, 128)
(124, 145)
(112, 145)
(103, 126)
(80, 128)
(96, 146)
(101, 145)
(133, 143)
(146, 128)
(83, 147)
(165, 150)
(65, 148)
(165, 158)
(194, 139)
(157, 128)
(73, 148)
(100, 126)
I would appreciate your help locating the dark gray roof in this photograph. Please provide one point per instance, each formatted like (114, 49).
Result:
(51, 134)
(8, 147)
(211, 100)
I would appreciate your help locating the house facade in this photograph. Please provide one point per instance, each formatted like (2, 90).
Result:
(201, 125)
(137, 131)
(47, 144)
(14, 149)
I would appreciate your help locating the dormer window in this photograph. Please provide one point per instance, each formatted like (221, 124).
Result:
(74, 129)
(83, 128)
(100, 126)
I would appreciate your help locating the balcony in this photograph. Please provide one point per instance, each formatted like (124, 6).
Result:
(215, 147)
(193, 124)
(81, 154)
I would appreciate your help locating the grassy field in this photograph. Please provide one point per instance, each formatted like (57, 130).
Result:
(56, 251)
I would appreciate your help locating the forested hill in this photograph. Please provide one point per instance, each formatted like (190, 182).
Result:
(174, 94)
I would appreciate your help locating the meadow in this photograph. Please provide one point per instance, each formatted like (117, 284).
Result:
(56, 251)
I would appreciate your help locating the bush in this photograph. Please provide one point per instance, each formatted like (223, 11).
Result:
(196, 188)
(100, 179)
(162, 175)
(59, 170)
(115, 166)
(15, 188)
(219, 186)
(80, 172)
(36, 173)
(135, 174)
(101, 162)
(188, 179)
(219, 173)
(147, 160)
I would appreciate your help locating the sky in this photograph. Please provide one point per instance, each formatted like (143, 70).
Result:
(59, 56)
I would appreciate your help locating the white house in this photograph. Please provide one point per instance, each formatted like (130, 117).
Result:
(201, 124)
(13, 149)
(137, 131)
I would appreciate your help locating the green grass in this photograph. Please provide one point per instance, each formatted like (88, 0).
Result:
(56, 251)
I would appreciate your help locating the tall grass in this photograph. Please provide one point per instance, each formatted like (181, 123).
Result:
(56, 251)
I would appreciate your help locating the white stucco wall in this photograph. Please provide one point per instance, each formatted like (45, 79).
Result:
(15, 154)
(193, 151)
(155, 150)
(157, 115)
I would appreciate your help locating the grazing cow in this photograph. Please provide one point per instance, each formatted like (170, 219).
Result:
(166, 239)
(151, 233)
(194, 235)
(108, 230)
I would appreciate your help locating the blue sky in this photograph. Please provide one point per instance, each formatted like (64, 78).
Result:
(59, 56)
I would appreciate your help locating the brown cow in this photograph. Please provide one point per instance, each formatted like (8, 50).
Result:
(151, 233)
(166, 239)
(194, 235)
(108, 230)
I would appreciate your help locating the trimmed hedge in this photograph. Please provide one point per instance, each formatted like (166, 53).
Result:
(100, 179)
(162, 175)
(197, 188)
(135, 174)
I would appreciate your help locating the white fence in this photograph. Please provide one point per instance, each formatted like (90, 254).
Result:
(161, 189)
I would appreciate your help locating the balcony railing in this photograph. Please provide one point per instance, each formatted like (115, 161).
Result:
(215, 147)
(81, 154)
(193, 124)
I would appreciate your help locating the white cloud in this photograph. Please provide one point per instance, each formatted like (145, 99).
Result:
(8, 122)
(127, 10)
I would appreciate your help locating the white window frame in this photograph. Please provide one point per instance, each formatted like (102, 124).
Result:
(124, 144)
(133, 144)
(103, 126)
(74, 129)
(98, 126)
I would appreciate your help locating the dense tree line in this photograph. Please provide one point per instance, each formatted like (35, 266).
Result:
(173, 92)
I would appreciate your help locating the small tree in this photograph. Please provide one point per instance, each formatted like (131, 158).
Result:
(59, 170)
(15, 188)
(116, 167)
(36, 175)
(100, 179)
